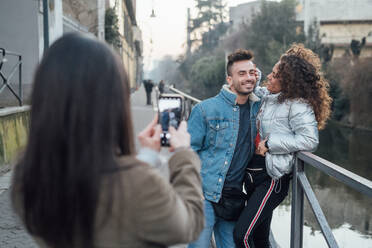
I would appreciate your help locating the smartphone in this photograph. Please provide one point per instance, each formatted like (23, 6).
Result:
(170, 107)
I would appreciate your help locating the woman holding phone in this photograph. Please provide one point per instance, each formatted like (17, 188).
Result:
(79, 183)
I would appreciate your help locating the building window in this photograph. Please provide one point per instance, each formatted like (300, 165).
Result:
(128, 34)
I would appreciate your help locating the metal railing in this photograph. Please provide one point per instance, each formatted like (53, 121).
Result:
(190, 101)
(301, 186)
(6, 79)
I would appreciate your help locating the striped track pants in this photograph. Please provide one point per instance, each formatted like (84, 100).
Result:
(265, 194)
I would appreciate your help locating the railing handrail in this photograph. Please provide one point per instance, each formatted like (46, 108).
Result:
(184, 94)
(353, 180)
(5, 52)
(301, 187)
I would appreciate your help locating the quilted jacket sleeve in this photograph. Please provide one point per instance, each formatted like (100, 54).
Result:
(304, 128)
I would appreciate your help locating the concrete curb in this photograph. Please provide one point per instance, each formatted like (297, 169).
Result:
(13, 110)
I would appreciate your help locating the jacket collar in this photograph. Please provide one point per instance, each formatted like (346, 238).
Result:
(272, 97)
(230, 96)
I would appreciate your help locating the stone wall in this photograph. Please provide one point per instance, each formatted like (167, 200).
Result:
(82, 11)
(14, 126)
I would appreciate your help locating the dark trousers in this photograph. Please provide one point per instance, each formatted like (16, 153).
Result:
(264, 195)
(148, 97)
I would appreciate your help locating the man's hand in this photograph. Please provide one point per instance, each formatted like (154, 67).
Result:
(150, 136)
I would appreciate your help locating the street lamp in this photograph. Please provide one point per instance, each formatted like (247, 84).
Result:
(152, 11)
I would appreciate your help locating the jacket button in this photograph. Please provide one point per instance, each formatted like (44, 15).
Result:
(226, 162)
(218, 126)
(220, 180)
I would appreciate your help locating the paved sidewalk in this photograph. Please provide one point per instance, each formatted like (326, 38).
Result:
(12, 232)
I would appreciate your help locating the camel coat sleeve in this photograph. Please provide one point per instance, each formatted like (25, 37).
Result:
(170, 212)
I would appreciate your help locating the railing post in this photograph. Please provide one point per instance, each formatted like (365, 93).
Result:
(46, 24)
(297, 218)
(20, 80)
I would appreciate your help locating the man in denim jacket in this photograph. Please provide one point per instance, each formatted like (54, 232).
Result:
(223, 129)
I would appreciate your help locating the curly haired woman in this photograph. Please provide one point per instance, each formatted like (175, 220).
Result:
(295, 104)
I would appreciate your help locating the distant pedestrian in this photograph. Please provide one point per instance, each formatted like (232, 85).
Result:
(148, 88)
(161, 86)
(79, 183)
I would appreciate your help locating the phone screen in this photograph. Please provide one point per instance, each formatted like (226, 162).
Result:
(170, 113)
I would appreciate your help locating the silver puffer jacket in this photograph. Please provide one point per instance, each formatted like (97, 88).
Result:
(289, 126)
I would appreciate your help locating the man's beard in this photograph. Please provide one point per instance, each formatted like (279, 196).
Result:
(243, 93)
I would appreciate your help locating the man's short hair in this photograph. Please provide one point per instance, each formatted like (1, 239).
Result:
(238, 55)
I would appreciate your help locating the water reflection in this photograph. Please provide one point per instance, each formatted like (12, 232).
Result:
(351, 149)
(346, 210)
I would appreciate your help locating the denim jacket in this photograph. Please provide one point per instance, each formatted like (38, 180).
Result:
(213, 126)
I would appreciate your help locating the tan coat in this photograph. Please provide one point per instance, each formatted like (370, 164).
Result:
(147, 210)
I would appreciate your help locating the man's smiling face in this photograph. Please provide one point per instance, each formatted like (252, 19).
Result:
(243, 77)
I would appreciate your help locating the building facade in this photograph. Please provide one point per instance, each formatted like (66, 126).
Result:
(22, 29)
(243, 13)
(131, 39)
(339, 21)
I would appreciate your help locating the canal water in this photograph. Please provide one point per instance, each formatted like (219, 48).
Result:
(348, 212)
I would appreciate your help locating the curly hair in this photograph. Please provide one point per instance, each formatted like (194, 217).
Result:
(238, 55)
(300, 79)
(299, 50)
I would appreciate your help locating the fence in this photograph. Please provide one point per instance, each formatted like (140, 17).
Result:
(301, 187)
(6, 79)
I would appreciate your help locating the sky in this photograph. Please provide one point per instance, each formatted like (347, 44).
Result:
(166, 33)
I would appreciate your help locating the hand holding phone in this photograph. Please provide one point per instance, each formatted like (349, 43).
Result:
(149, 137)
(180, 137)
(170, 108)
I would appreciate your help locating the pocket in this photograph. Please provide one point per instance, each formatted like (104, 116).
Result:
(248, 183)
(217, 131)
(230, 205)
